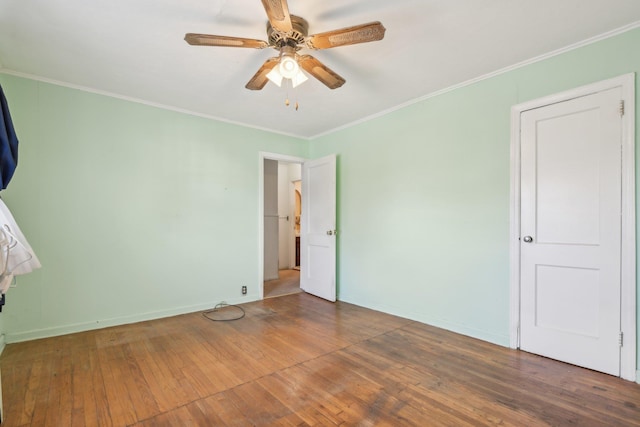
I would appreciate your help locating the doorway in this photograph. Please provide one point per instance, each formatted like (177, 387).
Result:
(282, 212)
(318, 231)
(572, 258)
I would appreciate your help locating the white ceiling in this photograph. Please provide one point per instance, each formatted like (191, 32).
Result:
(135, 49)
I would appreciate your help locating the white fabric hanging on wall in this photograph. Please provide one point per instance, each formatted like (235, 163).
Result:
(16, 255)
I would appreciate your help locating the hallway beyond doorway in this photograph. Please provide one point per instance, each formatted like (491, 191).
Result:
(287, 283)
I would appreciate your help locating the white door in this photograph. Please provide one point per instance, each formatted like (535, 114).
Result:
(318, 228)
(570, 231)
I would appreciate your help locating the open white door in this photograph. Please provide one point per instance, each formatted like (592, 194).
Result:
(318, 228)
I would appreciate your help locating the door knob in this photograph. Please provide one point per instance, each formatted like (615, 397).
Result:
(527, 239)
(330, 233)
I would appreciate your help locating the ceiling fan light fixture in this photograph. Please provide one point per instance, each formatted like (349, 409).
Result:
(288, 66)
(299, 78)
(275, 76)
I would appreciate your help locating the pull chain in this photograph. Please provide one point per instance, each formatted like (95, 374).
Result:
(286, 100)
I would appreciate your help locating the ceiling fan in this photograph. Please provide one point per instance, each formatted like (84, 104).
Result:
(288, 34)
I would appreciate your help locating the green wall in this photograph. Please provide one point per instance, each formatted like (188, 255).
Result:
(424, 194)
(135, 212)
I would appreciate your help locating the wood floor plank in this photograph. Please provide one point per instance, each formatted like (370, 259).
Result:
(290, 390)
(298, 360)
(20, 381)
(222, 406)
(83, 394)
(257, 404)
(114, 371)
(406, 382)
(40, 389)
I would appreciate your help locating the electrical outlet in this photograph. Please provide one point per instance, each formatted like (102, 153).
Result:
(244, 290)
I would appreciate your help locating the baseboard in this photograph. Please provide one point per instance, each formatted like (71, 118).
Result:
(116, 321)
(501, 340)
(638, 376)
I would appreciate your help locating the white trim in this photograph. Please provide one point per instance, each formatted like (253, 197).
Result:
(487, 76)
(262, 155)
(292, 214)
(3, 344)
(514, 231)
(142, 101)
(117, 321)
(628, 244)
(469, 82)
(426, 318)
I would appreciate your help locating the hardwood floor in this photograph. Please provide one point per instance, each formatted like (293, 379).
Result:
(287, 283)
(296, 361)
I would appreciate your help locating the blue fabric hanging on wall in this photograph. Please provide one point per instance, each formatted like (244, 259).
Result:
(8, 144)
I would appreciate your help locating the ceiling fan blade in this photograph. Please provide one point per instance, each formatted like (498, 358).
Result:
(259, 80)
(320, 71)
(211, 40)
(364, 33)
(278, 14)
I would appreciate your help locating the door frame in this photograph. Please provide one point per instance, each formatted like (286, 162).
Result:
(292, 234)
(262, 155)
(628, 215)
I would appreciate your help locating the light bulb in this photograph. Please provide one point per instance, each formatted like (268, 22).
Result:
(288, 67)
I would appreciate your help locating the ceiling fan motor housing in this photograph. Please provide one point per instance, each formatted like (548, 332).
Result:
(294, 38)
